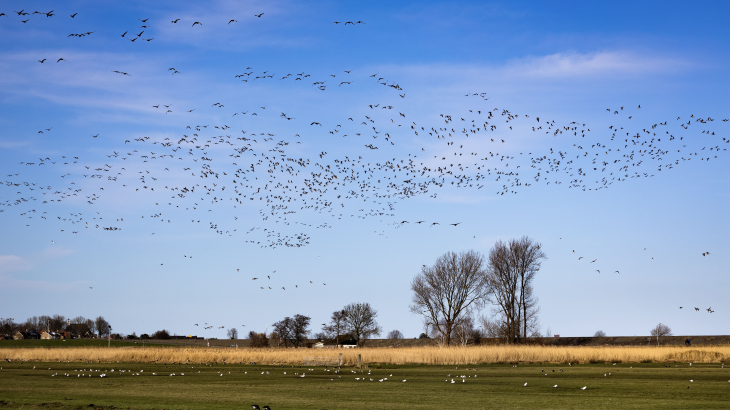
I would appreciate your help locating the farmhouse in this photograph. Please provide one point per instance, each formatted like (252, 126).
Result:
(32, 334)
(47, 334)
(321, 345)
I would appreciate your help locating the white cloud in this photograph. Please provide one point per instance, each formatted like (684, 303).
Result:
(568, 65)
(12, 263)
(598, 64)
(56, 252)
(13, 284)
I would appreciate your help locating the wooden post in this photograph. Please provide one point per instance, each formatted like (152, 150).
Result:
(340, 359)
(359, 361)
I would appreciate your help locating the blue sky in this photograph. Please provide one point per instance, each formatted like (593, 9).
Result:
(566, 63)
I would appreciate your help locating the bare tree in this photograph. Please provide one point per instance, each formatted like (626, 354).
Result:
(451, 287)
(360, 321)
(293, 330)
(32, 323)
(464, 330)
(43, 323)
(395, 334)
(258, 339)
(528, 315)
(8, 326)
(102, 326)
(92, 327)
(661, 330)
(493, 328)
(56, 323)
(511, 270)
(600, 333)
(78, 320)
(337, 326)
(436, 334)
(274, 335)
(161, 334)
(232, 333)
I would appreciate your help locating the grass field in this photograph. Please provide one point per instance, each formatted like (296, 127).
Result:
(196, 386)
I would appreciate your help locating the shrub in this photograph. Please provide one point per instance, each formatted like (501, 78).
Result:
(395, 334)
(258, 339)
(161, 334)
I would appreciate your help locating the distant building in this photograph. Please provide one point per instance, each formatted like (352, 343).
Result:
(321, 345)
(185, 337)
(31, 334)
(557, 336)
(50, 335)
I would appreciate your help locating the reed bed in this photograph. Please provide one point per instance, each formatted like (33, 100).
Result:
(413, 355)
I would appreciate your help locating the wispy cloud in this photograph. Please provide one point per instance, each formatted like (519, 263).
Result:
(56, 252)
(597, 64)
(13, 263)
(13, 284)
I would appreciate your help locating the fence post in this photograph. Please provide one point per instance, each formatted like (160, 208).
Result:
(359, 361)
(340, 359)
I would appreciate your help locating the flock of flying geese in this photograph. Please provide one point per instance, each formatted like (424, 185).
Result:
(213, 169)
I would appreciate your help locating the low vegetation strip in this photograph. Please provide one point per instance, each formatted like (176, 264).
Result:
(416, 355)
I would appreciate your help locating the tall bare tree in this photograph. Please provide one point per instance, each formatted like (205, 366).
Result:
(233, 333)
(337, 326)
(92, 327)
(464, 330)
(511, 269)
(661, 330)
(454, 285)
(293, 330)
(360, 321)
(493, 328)
(102, 326)
(56, 323)
(32, 323)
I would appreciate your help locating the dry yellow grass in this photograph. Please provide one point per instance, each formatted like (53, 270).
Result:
(415, 355)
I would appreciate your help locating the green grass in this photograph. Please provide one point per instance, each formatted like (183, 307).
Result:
(69, 343)
(639, 386)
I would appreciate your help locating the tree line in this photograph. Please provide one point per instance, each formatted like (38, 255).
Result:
(353, 324)
(78, 326)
